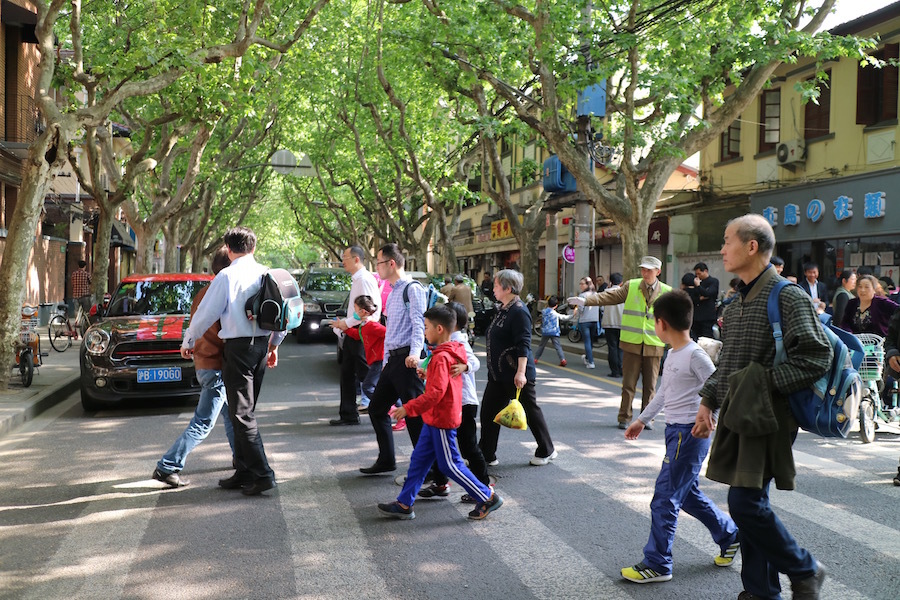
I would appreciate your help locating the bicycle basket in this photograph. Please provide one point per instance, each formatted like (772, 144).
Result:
(873, 362)
(27, 336)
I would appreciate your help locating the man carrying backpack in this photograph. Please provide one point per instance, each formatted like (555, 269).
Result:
(756, 430)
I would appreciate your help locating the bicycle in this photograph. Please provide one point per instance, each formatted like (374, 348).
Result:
(62, 331)
(872, 407)
(28, 346)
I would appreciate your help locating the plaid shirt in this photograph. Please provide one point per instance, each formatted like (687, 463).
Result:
(405, 326)
(81, 283)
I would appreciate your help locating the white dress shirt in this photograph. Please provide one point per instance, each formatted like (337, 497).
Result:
(363, 284)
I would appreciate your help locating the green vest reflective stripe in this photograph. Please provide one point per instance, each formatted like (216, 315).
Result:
(637, 317)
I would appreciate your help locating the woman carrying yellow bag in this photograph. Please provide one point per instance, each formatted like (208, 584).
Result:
(511, 371)
(513, 416)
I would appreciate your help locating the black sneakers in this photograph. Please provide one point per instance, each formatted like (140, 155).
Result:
(483, 509)
(395, 511)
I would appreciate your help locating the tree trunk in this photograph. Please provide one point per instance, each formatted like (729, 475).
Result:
(45, 157)
(100, 267)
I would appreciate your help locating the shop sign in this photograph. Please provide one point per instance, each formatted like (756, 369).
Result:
(501, 229)
(657, 233)
(815, 211)
(569, 254)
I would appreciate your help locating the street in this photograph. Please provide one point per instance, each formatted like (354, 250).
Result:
(80, 516)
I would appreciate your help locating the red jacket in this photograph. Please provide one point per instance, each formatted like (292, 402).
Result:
(372, 335)
(441, 404)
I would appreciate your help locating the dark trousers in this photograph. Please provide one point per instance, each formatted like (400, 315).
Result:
(701, 329)
(242, 372)
(615, 352)
(496, 396)
(767, 547)
(397, 381)
(353, 372)
(467, 439)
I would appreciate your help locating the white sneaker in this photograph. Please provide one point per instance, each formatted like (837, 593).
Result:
(540, 462)
(493, 463)
(590, 365)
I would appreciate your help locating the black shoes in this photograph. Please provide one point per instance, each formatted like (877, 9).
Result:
(809, 588)
(343, 422)
(236, 481)
(616, 375)
(170, 479)
(258, 487)
(376, 469)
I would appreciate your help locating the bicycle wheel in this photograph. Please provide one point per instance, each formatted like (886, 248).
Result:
(867, 420)
(60, 338)
(574, 335)
(26, 367)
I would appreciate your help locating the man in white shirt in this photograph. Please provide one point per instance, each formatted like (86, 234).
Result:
(354, 367)
(248, 350)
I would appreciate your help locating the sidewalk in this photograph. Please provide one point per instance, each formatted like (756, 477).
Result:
(53, 382)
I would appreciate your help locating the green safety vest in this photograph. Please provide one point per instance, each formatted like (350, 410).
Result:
(637, 318)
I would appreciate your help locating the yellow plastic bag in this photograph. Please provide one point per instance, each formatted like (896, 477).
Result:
(513, 416)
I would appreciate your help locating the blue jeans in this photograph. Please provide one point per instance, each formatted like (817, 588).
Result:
(677, 489)
(368, 384)
(615, 352)
(212, 399)
(767, 548)
(588, 333)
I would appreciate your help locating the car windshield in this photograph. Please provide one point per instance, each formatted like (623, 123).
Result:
(331, 281)
(154, 298)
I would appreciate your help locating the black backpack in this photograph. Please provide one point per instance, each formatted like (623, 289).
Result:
(277, 306)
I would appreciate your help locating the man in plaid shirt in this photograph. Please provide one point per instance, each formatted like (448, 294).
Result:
(81, 286)
(748, 391)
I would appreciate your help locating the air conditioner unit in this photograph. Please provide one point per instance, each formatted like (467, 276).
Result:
(790, 152)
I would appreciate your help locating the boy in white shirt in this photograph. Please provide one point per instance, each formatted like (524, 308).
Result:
(686, 369)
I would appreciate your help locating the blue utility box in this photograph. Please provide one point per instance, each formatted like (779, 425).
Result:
(557, 179)
(592, 100)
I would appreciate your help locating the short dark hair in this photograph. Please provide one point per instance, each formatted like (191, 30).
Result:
(441, 315)
(487, 273)
(675, 308)
(702, 266)
(462, 315)
(552, 301)
(365, 301)
(357, 251)
(392, 252)
(219, 260)
(240, 240)
(860, 271)
(777, 261)
(616, 278)
(688, 279)
(82, 264)
(810, 265)
(845, 275)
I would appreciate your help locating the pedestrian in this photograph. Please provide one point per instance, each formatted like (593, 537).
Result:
(732, 294)
(588, 321)
(707, 293)
(511, 368)
(815, 288)
(550, 330)
(868, 312)
(677, 487)
(462, 293)
(440, 407)
(892, 361)
(487, 285)
(448, 285)
(612, 328)
(749, 451)
(642, 349)
(208, 368)
(404, 340)
(354, 367)
(370, 333)
(600, 284)
(81, 286)
(248, 350)
(843, 294)
(778, 263)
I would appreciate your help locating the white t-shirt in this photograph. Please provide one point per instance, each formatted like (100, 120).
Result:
(684, 373)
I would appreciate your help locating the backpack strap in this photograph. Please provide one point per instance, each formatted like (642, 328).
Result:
(406, 293)
(775, 319)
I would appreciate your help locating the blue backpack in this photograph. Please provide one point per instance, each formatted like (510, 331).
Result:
(830, 406)
(432, 295)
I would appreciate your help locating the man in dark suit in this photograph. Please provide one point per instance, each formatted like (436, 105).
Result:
(815, 288)
(706, 293)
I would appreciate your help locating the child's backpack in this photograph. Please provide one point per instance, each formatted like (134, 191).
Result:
(432, 295)
(277, 306)
(830, 406)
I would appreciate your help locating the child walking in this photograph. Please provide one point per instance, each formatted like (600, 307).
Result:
(550, 330)
(371, 334)
(686, 370)
(440, 407)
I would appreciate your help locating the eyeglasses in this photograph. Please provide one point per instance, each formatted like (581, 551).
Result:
(381, 262)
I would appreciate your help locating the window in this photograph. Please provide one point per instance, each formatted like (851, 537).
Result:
(876, 89)
(769, 119)
(731, 141)
(817, 117)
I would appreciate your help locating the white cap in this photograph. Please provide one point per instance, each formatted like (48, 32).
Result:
(650, 262)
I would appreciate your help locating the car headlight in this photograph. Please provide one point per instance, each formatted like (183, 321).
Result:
(97, 341)
(313, 307)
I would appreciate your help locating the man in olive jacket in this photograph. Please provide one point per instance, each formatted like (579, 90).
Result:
(756, 430)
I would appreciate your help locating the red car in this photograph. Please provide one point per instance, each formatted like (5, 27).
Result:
(133, 351)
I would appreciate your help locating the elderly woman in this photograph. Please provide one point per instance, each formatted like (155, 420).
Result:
(511, 367)
(588, 321)
(867, 313)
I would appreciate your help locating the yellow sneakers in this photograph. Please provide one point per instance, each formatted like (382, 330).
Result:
(726, 557)
(641, 573)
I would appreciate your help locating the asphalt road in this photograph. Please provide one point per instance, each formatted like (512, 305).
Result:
(81, 518)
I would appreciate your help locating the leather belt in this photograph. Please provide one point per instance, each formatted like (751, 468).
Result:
(404, 351)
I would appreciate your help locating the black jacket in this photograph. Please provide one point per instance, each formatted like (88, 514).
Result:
(705, 310)
(820, 287)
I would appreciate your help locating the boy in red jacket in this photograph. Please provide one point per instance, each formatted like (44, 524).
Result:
(441, 410)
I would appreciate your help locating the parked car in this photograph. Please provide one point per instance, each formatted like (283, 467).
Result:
(133, 351)
(323, 290)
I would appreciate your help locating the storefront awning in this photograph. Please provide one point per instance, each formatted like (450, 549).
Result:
(121, 236)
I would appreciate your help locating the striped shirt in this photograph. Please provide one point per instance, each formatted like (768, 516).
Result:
(405, 327)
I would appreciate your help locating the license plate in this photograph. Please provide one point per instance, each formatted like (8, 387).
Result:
(159, 374)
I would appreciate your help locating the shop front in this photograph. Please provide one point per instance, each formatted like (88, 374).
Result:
(844, 223)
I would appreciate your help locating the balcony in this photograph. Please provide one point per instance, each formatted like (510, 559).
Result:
(21, 123)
